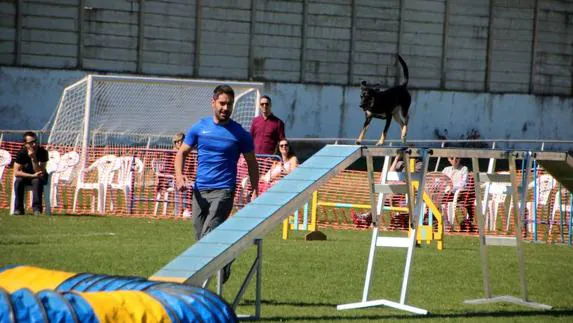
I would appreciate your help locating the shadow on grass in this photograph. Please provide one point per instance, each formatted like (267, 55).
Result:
(63, 215)
(17, 243)
(297, 304)
(564, 312)
(498, 314)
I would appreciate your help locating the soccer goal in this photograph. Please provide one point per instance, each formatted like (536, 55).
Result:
(101, 110)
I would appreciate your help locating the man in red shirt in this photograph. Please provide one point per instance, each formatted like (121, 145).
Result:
(267, 130)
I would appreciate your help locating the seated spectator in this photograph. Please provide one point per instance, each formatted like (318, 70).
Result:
(398, 165)
(30, 169)
(459, 176)
(363, 220)
(288, 162)
(166, 170)
(399, 219)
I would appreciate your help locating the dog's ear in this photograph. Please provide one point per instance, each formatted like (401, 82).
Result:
(363, 84)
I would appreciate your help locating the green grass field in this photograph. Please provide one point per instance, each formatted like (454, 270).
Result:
(303, 281)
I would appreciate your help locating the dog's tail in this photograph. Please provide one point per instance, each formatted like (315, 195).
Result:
(404, 69)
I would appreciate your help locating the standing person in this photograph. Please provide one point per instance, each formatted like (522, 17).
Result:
(267, 129)
(219, 141)
(30, 169)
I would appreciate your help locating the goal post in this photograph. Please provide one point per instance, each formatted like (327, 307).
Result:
(101, 108)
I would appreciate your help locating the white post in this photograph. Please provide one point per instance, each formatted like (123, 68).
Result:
(368, 279)
(438, 160)
(371, 191)
(86, 134)
(414, 218)
(490, 170)
(258, 98)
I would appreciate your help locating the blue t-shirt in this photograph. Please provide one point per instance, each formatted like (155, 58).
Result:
(218, 150)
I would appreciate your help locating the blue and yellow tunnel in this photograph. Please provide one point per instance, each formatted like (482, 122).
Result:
(31, 294)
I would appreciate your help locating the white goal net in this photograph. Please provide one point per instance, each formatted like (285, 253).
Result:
(106, 110)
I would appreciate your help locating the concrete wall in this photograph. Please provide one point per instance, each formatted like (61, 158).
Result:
(500, 46)
(333, 112)
(28, 97)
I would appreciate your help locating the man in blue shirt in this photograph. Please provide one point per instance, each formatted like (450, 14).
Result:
(219, 141)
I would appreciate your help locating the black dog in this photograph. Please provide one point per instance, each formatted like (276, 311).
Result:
(385, 104)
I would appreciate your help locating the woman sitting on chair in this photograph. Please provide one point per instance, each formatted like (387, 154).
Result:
(288, 162)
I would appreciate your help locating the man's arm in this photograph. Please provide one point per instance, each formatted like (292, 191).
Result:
(19, 173)
(252, 131)
(179, 163)
(394, 163)
(253, 167)
(281, 130)
(293, 163)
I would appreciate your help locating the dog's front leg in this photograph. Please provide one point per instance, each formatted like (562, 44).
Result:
(385, 132)
(364, 128)
(403, 122)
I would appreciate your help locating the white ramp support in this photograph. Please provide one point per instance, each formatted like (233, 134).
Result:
(516, 241)
(408, 243)
(255, 270)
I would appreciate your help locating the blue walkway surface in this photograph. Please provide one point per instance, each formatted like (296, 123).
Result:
(204, 258)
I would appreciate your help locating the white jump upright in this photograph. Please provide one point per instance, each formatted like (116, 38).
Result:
(408, 243)
(516, 242)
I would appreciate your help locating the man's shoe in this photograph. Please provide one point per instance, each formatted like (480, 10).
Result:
(226, 273)
(37, 213)
(18, 212)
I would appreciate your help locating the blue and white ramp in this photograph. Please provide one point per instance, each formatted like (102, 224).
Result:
(204, 258)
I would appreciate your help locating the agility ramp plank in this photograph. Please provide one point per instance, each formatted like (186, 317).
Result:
(559, 165)
(208, 255)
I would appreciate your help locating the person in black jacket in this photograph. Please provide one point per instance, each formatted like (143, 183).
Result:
(30, 169)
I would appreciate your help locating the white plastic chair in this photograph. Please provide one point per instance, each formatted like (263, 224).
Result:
(5, 160)
(500, 194)
(104, 167)
(53, 161)
(543, 186)
(436, 184)
(561, 204)
(450, 206)
(64, 173)
(162, 195)
(122, 178)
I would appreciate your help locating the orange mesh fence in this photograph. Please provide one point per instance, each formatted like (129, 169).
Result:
(121, 180)
(139, 182)
(551, 223)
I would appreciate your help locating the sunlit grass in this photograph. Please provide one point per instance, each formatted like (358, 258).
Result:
(305, 280)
